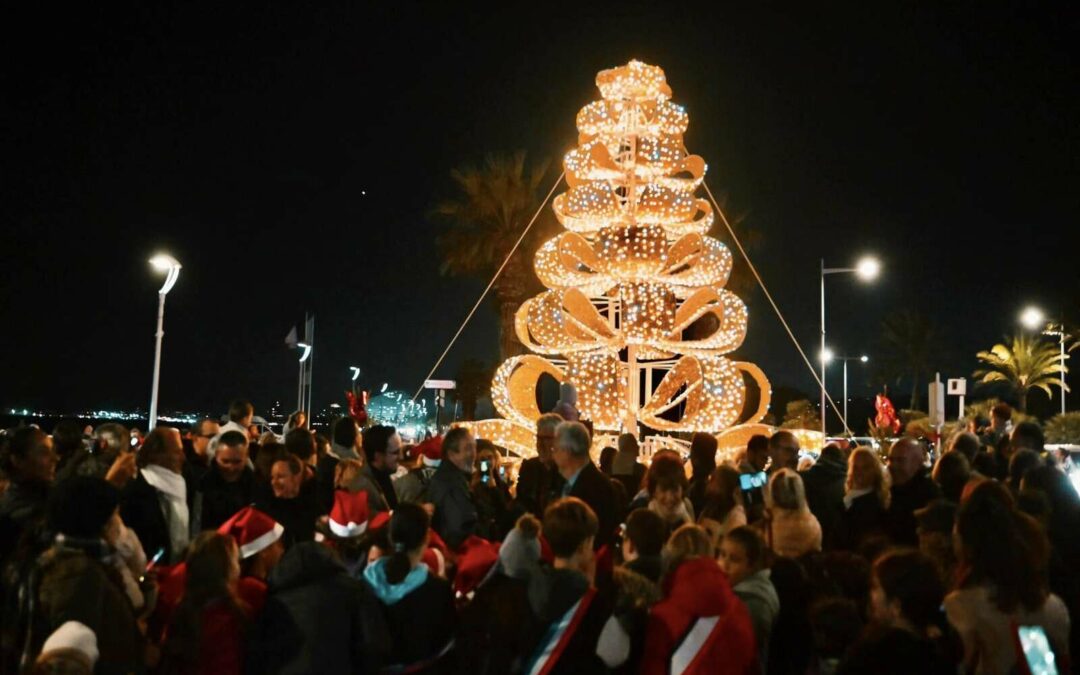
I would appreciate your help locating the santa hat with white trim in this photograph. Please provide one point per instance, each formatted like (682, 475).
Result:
(430, 451)
(349, 517)
(252, 529)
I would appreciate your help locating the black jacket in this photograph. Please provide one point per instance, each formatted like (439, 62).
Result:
(865, 518)
(824, 483)
(317, 619)
(497, 628)
(296, 515)
(594, 488)
(141, 510)
(906, 498)
(421, 624)
(217, 500)
(537, 485)
(455, 512)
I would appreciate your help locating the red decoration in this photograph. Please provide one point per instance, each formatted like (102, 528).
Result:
(357, 406)
(886, 414)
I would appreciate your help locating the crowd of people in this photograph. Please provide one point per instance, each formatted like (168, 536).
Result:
(220, 550)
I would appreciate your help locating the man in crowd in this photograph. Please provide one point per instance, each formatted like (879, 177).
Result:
(227, 487)
(538, 477)
(155, 504)
(110, 457)
(824, 484)
(757, 454)
(197, 454)
(912, 489)
(784, 451)
(382, 451)
(626, 468)
(583, 479)
(456, 516)
(413, 487)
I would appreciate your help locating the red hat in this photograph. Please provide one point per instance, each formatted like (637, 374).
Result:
(349, 517)
(252, 529)
(475, 559)
(430, 451)
(435, 561)
(381, 518)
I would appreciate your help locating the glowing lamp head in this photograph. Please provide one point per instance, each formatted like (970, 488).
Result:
(868, 268)
(307, 351)
(163, 262)
(826, 355)
(1032, 318)
(864, 358)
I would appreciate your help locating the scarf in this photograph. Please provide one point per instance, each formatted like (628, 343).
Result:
(851, 496)
(173, 490)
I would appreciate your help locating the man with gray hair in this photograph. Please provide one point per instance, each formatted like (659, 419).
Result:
(583, 479)
(538, 477)
(110, 457)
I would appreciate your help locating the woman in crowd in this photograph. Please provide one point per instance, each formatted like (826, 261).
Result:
(723, 510)
(666, 485)
(417, 605)
(906, 635)
(207, 630)
(790, 529)
(866, 500)
(1002, 557)
(293, 503)
(951, 473)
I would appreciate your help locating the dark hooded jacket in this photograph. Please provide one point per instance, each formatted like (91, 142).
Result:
(824, 483)
(317, 619)
(419, 613)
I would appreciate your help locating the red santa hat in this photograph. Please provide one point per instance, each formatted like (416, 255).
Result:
(252, 529)
(435, 561)
(475, 559)
(381, 518)
(430, 451)
(349, 517)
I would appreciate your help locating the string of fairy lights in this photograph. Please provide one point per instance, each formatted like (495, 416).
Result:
(631, 282)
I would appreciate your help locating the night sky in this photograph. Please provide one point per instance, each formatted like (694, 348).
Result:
(289, 157)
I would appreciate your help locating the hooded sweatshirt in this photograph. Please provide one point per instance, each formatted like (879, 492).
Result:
(758, 594)
(419, 613)
(699, 606)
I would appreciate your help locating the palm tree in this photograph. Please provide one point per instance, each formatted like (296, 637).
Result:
(1026, 363)
(908, 342)
(495, 203)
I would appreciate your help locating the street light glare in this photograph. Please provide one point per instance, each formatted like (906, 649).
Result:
(868, 268)
(1032, 318)
(307, 351)
(826, 355)
(163, 262)
(864, 358)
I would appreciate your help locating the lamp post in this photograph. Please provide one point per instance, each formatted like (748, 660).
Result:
(867, 269)
(303, 357)
(863, 359)
(161, 262)
(1033, 318)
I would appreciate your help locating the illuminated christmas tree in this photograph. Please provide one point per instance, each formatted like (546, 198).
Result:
(636, 316)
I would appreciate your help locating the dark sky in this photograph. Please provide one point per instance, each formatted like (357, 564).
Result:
(289, 157)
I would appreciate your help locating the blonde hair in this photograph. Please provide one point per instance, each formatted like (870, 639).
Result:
(880, 487)
(688, 542)
(786, 491)
(346, 473)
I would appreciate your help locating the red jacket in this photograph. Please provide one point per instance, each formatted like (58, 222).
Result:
(700, 624)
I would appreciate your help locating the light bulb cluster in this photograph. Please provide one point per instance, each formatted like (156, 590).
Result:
(635, 271)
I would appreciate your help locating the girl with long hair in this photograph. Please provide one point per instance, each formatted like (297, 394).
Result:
(206, 634)
(866, 500)
(790, 529)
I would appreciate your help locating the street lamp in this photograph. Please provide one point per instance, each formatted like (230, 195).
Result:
(303, 357)
(863, 359)
(867, 269)
(1033, 318)
(162, 262)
